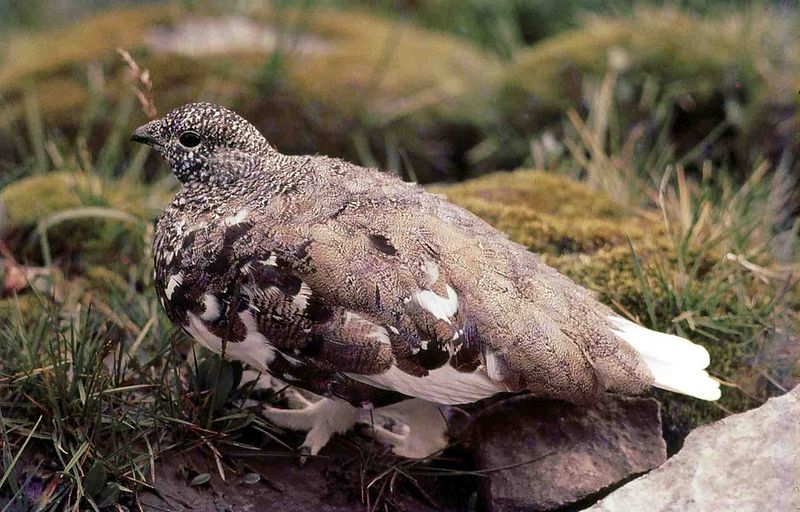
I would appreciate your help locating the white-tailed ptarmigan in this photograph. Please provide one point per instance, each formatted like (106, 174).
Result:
(352, 285)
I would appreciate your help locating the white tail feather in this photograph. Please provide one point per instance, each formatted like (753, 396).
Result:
(676, 363)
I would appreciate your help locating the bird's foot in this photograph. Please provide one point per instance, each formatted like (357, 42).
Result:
(414, 428)
(320, 417)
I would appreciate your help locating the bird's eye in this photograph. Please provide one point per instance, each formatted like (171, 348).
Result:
(189, 139)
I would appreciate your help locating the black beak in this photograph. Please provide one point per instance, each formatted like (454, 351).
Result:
(146, 134)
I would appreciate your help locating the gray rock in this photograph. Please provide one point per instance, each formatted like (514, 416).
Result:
(555, 453)
(746, 462)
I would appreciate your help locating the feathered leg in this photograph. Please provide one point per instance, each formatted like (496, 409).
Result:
(413, 428)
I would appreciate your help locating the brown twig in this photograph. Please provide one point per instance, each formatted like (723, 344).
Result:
(142, 85)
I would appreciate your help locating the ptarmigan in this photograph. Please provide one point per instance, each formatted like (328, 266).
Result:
(352, 285)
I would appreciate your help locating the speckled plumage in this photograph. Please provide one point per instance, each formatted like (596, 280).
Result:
(350, 283)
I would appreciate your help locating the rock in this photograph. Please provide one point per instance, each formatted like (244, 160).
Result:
(555, 453)
(745, 462)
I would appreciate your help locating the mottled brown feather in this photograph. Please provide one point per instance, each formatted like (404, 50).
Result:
(363, 244)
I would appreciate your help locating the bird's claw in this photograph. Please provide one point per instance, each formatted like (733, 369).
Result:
(305, 451)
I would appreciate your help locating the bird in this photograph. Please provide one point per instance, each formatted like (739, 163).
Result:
(366, 294)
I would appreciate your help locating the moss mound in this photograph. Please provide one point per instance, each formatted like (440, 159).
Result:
(705, 70)
(703, 55)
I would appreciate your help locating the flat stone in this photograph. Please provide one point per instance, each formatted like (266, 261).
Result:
(745, 462)
(547, 454)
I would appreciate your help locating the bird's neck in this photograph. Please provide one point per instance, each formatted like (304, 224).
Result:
(252, 179)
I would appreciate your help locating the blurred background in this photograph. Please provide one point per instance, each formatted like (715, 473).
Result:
(646, 148)
(437, 90)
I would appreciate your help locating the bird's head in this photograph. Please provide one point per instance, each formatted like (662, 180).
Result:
(196, 137)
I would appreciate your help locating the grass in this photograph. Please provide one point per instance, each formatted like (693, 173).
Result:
(96, 386)
(104, 391)
(728, 277)
(708, 218)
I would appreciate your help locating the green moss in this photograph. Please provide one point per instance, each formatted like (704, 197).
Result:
(105, 281)
(539, 192)
(27, 307)
(33, 199)
(86, 237)
(43, 53)
(52, 64)
(392, 70)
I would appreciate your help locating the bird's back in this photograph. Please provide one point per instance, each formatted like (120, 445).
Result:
(453, 299)
(516, 319)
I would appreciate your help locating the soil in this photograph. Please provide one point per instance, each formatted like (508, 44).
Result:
(336, 481)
